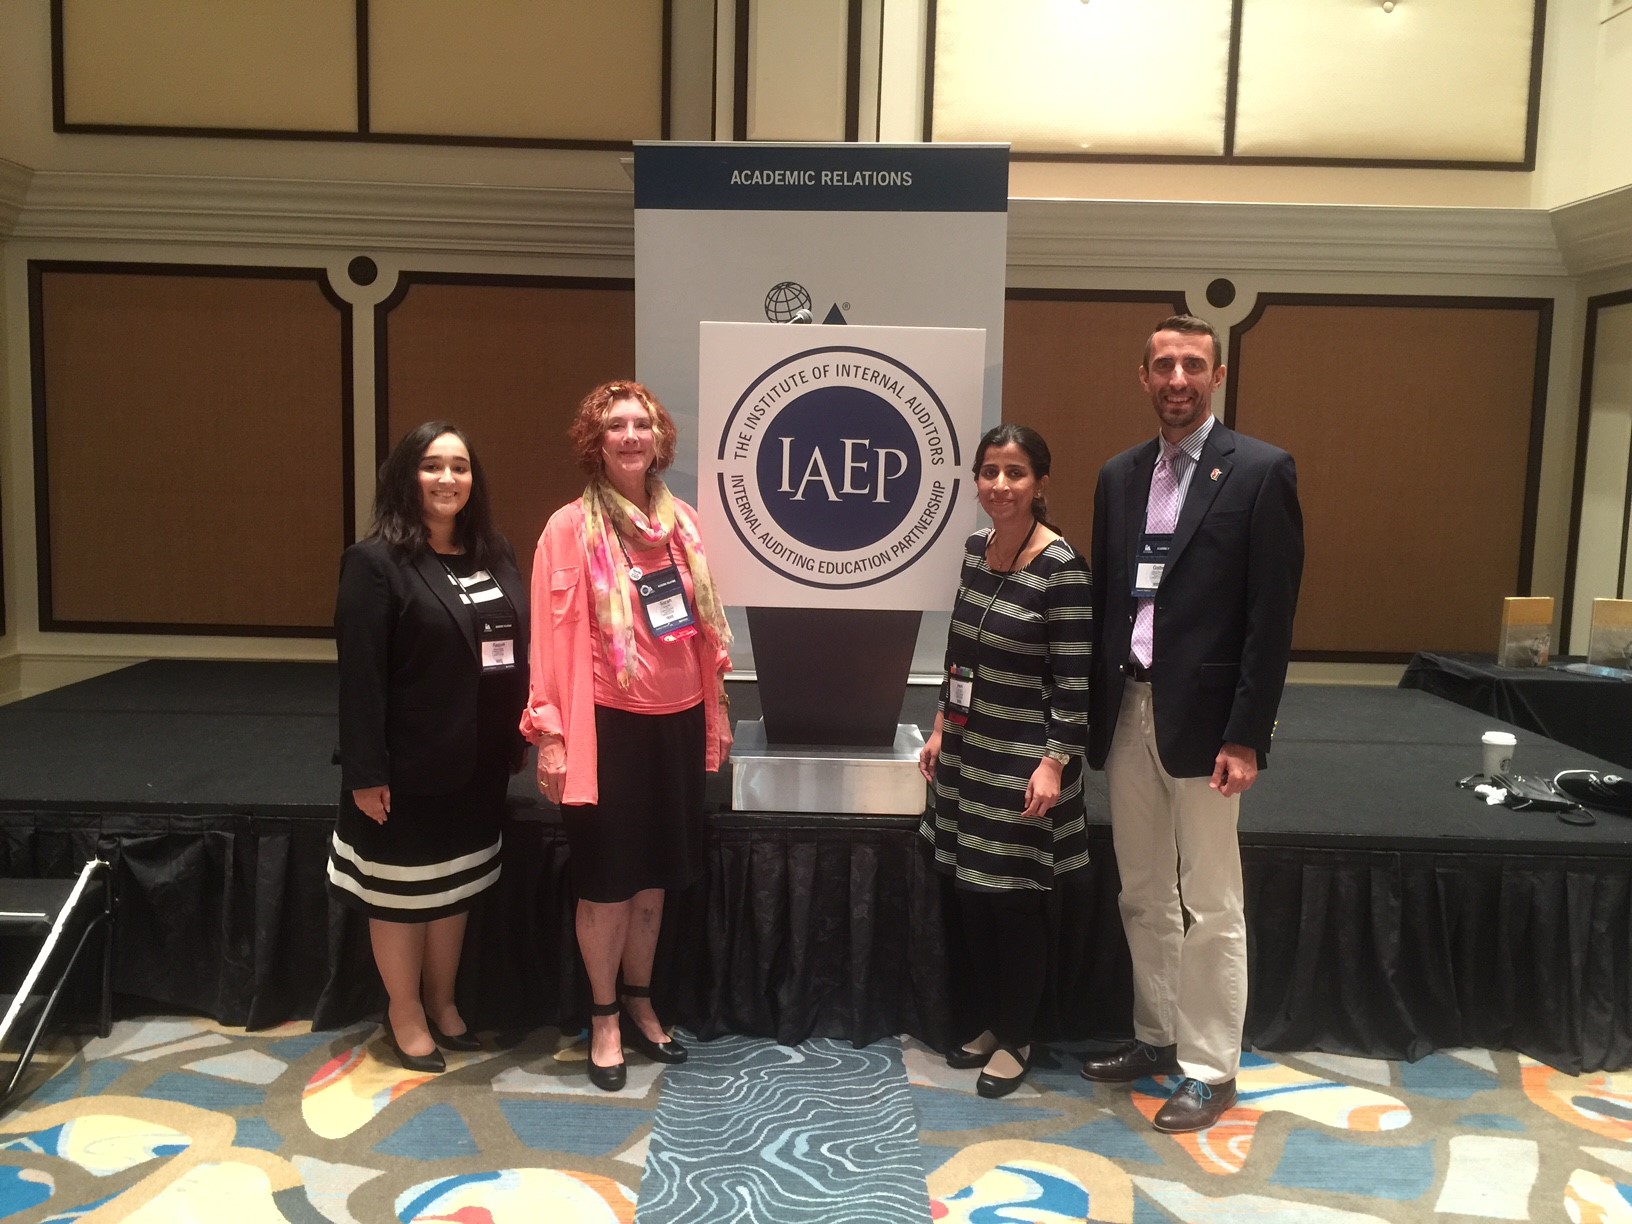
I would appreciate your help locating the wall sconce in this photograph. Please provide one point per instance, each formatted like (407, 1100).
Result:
(1388, 6)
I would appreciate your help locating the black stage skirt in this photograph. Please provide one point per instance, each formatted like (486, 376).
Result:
(647, 830)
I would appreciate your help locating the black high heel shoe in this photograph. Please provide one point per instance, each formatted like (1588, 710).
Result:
(462, 1043)
(669, 1052)
(607, 1079)
(427, 1064)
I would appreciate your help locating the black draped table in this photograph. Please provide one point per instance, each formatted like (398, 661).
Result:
(1390, 914)
(1591, 713)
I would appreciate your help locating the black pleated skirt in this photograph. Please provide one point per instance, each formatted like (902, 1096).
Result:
(647, 829)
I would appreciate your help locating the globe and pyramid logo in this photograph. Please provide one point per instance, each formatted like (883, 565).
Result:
(789, 302)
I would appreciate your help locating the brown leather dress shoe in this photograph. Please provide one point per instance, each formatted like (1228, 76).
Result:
(1194, 1106)
(1134, 1061)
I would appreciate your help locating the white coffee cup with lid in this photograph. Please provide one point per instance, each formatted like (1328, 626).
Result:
(1498, 746)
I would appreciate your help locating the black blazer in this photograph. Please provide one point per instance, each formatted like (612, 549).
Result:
(1223, 628)
(410, 668)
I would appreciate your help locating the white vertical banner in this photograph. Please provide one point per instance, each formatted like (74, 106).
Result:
(869, 235)
(832, 462)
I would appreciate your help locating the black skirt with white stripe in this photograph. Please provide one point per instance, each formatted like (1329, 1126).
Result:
(435, 854)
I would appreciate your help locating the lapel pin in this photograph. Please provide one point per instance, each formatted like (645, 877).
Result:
(1213, 475)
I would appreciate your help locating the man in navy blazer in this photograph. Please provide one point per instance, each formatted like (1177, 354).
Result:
(1195, 579)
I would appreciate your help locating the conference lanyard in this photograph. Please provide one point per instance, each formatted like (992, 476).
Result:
(495, 627)
(662, 597)
(960, 678)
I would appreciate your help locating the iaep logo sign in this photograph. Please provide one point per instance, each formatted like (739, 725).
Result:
(838, 467)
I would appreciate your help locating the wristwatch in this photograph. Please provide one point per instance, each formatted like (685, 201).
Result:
(1062, 759)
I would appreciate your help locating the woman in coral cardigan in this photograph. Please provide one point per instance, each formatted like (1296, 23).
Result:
(626, 705)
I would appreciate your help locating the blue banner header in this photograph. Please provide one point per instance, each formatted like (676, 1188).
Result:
(822, 177)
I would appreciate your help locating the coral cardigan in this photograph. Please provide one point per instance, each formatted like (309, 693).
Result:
(561, 699)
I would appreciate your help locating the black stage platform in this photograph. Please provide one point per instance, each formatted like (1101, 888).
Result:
(1390, 913)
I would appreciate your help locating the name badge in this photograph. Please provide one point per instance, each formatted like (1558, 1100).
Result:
(960, 691)
(663, 596)
(498, 643)
(1150, 562)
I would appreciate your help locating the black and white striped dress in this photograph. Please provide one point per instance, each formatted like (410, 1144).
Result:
(1026, 636)
(436, 853)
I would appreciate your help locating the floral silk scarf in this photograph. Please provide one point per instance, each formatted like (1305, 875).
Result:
(606, 512)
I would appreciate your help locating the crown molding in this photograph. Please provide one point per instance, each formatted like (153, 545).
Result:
(1282, 237)
(1595, 234)
(593, 224)
(315, 213)
(14, 180)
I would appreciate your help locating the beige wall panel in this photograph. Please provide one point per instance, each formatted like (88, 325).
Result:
(1071, 372)
(508, 364)
(1434, 79)
(796, 69)
(281, 64)
(1411, 428)
(194, 427)
(1059, 76)
(544, 69)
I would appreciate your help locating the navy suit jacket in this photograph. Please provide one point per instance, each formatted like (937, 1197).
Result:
(1223, 628)
(410, 668)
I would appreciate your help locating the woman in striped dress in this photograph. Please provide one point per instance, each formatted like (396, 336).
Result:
(431, 628)
(1004, 761)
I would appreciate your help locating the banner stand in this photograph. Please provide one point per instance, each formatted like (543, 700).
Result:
(830, 688)
(832, 675)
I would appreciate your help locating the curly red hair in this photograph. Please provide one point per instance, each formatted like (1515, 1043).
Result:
(589, 425)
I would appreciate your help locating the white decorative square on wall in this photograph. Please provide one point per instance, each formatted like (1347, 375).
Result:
(1064, 76)
(1432, 80)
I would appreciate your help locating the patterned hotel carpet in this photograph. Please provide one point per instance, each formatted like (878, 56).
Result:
(180, 1120)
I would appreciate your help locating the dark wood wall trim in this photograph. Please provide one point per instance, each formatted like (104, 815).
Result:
(362, 68)
(1229, 156)
(852, 73)
(1538, 436)
(1173, 299)
(1532, 119)
(363, 132)
(929, 74)
(1232, 77)
(37, 270)
(740, 62)
(1583, 436)
(59, 97)
(665, 118)
(406, 281)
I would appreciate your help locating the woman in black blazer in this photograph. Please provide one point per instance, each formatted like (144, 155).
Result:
(431, 625)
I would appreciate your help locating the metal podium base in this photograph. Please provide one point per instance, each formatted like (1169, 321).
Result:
(819, 778)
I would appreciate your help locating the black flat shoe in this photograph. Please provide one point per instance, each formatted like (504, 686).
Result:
(427, 1064)
(961, 1059)
(993, 1086)
(462, 1043)
(607, 1079)
(668, 1052)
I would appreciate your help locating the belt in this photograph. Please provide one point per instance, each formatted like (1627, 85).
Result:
(1137, 671)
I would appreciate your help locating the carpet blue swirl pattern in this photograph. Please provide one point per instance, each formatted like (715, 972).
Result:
(750, 1131)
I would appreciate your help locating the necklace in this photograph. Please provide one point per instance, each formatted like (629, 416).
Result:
(1014, 560)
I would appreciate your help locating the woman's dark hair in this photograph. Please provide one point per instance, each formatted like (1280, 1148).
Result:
(1030, 441)
(399, 515)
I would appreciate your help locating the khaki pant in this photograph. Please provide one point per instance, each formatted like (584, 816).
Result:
(1181, 899)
